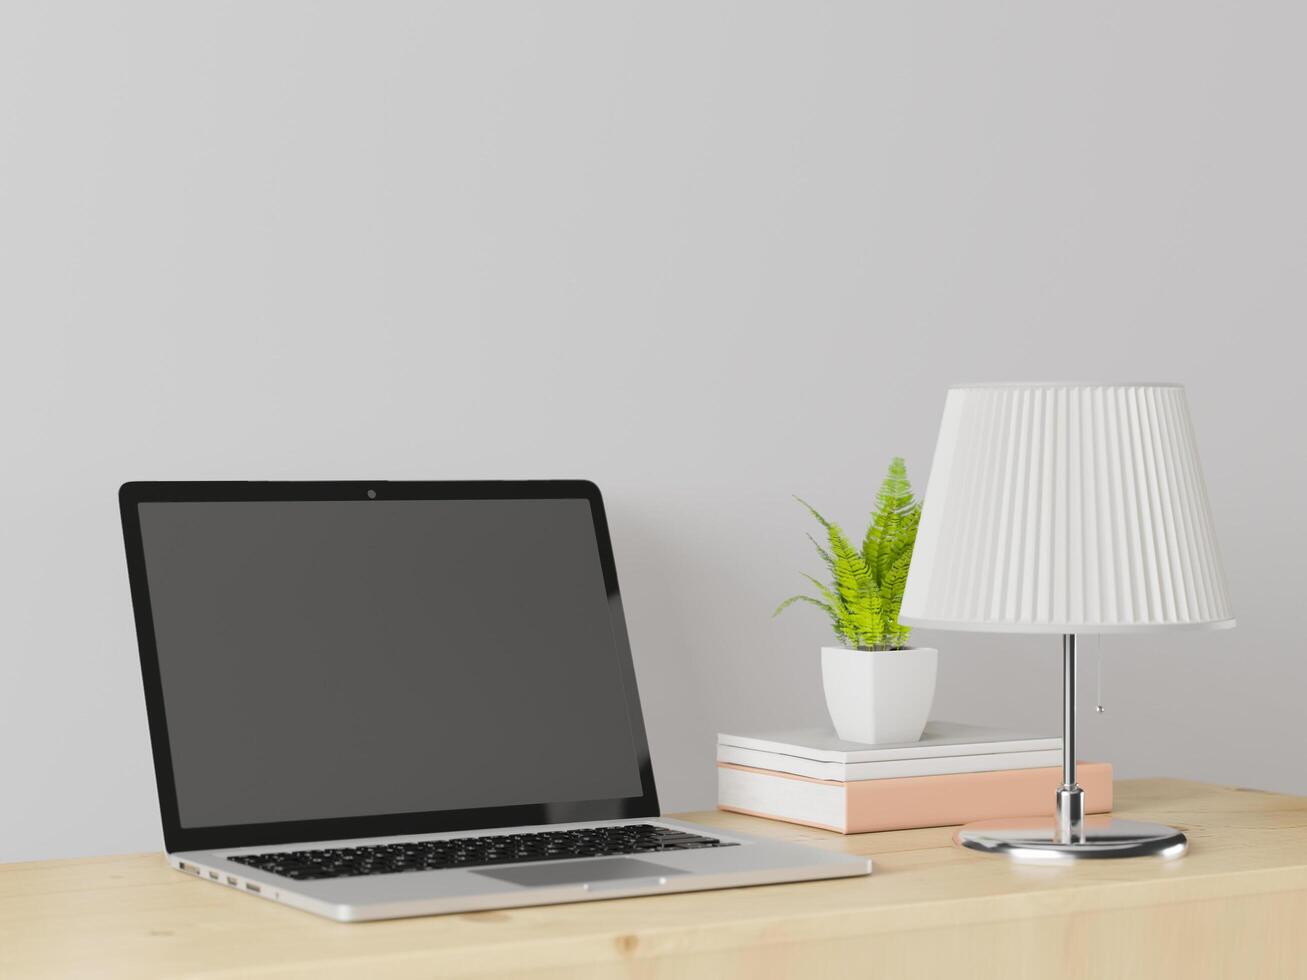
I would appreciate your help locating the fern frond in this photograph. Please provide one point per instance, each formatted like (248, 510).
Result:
(857, 590)
(895, 490)
(895, 507)
(891, 594)
(827, 594)
(850, 570)
(869, 620)
(813, 511)
(803, 598)
(905, 537)
(842, 617)
(825, 555)
(836, 620)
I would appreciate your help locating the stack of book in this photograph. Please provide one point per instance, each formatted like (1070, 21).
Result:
(955, 774)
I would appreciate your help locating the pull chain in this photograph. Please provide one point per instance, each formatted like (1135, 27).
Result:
(1098, 648)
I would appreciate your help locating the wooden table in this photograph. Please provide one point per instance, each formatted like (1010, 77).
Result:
(1235, 907)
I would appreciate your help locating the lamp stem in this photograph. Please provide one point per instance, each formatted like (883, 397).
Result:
(1070, 797)
(1068, 709)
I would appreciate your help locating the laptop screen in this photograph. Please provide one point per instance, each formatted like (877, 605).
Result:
(351, 658)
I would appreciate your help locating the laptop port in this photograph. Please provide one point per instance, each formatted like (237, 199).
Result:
(231, 881)
(251, 886)
(213, 875)
(188, 867)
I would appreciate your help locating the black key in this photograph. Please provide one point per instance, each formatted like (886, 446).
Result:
(472, 852)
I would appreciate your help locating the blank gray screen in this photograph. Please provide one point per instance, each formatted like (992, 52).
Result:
(349, 658)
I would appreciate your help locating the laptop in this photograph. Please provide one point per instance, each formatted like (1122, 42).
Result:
(374, 700)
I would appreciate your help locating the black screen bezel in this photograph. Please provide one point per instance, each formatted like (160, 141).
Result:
(179, 838)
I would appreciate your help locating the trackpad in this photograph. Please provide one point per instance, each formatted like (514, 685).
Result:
(574, 872)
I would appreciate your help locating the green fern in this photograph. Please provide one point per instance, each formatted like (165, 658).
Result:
(895, 507)
(866, 589)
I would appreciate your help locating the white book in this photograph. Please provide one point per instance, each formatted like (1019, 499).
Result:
(945, 748)
(892, 769)
(796, 800)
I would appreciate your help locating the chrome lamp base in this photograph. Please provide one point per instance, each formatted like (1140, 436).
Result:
(1070, 835)
(1038, 839)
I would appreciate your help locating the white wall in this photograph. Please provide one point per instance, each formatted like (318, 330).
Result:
(708, 254)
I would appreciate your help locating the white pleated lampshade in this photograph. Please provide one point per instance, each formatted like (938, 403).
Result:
(1066, 508)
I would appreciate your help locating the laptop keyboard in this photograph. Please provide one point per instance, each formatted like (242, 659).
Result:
(475, 852)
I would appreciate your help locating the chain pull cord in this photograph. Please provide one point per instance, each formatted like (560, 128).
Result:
(1098, 649)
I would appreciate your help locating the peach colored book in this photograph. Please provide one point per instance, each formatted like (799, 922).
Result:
(900, 804)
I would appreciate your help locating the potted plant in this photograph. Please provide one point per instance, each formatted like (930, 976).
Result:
(878, 689)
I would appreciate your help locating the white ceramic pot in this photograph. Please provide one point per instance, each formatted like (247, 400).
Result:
(881, 695)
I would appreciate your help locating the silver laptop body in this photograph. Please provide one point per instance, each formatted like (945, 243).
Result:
(374, 700)
(756, 861)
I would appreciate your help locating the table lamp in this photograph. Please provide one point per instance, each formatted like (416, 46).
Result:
(1069, 509)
